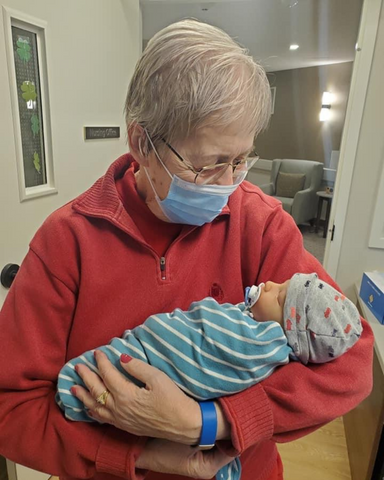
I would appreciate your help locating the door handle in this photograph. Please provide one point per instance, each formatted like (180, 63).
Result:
(8, 274)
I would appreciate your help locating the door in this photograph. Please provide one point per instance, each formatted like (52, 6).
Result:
(360, 76)
(75, 76)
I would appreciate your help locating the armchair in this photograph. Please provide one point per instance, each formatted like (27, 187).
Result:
(303, 204)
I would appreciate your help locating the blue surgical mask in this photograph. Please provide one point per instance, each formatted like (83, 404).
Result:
(192, 204)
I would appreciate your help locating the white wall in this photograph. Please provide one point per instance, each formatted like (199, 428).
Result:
(92, 49)
(260, 173)
(356, 257)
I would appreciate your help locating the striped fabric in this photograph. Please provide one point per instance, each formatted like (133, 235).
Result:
(209, 351)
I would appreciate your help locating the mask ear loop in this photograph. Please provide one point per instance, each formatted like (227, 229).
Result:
(156, 195)
(157, 154)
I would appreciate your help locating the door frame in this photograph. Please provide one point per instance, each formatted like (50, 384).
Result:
(365, 47)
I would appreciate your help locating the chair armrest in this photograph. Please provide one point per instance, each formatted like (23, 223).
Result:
(267, 188)
(304, 205)
(301, 195)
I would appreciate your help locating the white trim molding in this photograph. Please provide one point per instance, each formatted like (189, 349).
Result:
(365, 47)
(376, 239)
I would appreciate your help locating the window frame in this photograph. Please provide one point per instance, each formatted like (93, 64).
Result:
(13, 18)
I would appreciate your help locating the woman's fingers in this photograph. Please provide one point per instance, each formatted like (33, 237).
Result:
(111, 377)
(174, 458)
(210, 463)
(160, 410)
(140, 370)
(94, 397)
(92, 381)
(93, 409)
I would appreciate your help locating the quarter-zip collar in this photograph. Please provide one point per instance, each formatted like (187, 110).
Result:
(102, 199)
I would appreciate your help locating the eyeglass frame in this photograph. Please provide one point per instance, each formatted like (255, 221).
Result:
(210, 167)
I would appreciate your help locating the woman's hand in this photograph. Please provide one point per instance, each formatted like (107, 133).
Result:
(174, 458)
(160, 410)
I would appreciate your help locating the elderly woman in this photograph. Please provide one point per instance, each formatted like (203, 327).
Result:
(171, 222)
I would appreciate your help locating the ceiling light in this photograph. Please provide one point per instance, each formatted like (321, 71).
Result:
(289, 3)
(294, 47)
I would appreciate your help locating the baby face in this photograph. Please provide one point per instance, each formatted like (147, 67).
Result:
(270, 305)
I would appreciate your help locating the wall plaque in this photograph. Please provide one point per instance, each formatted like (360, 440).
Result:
(97, 133)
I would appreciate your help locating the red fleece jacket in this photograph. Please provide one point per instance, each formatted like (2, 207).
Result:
(90, 274)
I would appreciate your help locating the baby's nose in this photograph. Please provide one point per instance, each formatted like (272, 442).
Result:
(270, 285)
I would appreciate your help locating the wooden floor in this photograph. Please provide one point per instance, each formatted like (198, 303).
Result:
(319, 456)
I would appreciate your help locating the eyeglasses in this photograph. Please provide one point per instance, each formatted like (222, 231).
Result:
(211, 173)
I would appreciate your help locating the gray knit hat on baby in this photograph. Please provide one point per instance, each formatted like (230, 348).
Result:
(320, 323)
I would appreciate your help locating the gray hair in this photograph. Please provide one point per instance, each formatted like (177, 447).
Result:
(192, 74)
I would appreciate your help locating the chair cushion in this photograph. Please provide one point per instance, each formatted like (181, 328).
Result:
(288, 184)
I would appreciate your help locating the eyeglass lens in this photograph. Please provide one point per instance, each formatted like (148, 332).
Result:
(213, 174)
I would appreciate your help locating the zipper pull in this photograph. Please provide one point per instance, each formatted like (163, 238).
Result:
(162, 267)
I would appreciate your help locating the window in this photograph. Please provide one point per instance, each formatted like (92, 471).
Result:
(29, 92)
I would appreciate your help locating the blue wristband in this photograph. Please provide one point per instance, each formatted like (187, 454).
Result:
(209, 425)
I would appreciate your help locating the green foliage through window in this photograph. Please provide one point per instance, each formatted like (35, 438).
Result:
(25, 55)
(29, 91)
(35, 124)
(36, 162)
(23, 50)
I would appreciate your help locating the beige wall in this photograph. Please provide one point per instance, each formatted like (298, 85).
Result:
(92, 49)
(295, 130)
(355, 255)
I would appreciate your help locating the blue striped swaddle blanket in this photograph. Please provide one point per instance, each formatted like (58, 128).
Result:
(209, 351)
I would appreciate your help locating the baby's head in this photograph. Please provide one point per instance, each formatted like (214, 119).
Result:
(266, 302)
(309, 310)
(276, 301)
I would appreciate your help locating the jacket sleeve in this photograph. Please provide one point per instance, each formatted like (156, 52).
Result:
(297, 399)
(35, 324)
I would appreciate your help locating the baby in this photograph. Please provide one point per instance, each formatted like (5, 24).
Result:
(319, 322)
(213, 349)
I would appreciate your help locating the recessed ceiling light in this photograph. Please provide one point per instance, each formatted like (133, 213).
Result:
(289, 3)
(293, 47)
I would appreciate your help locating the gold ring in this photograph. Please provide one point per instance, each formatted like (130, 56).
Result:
(102, 398)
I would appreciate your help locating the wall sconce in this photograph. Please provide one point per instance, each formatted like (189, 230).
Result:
(325, 113)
